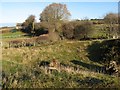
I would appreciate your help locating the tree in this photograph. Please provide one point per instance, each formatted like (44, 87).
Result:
(69, 28)
(83, 30)
(111, 19)
(54, 14)
(29, 24)
(39, 29)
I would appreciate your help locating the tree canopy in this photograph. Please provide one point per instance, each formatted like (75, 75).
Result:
(29, 24)
(55, 12)
(111, 18)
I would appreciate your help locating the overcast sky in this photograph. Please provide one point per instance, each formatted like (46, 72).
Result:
(13, 12)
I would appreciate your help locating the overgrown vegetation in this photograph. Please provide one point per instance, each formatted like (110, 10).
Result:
(22, 69)
(108, 50)
(78, 30)
(84, 50)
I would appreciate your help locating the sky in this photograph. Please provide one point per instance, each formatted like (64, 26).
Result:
(17, 12)
(59, 0)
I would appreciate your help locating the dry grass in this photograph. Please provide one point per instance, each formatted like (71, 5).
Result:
(25, 61)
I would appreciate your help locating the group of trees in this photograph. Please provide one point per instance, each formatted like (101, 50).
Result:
(54, 20)
(51, 20)
(77, 29)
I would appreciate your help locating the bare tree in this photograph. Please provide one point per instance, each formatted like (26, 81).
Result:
(54, 14)
(111, 20)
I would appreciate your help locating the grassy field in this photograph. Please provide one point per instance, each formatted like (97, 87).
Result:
(12, 34)
(21, 66)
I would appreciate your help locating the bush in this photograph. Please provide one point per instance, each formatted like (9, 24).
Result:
(68, 29)
(83, 30)
(105, 51)
(77, 29)
(113, 52)
(14, 30)
(40, 29)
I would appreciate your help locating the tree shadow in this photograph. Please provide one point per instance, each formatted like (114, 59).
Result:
(91, 67)
(27, 35)
(97, 50)
(43, 63)
(90, 82)
(41, 31)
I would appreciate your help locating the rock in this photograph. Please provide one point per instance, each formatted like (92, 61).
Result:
(112, 68)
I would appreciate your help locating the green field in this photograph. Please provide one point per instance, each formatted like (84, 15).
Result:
(12, 34)
(22, 63)
(20, 66)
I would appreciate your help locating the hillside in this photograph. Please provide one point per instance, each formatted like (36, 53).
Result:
(22, 67)
(53, 45)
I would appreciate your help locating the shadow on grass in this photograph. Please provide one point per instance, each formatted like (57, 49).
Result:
(97, 50)
(43, 63)
(91, 67)
(90, 82)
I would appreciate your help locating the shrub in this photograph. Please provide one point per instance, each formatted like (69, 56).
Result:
(77, 29)
(83, 30)
(68, 29)
(40, 29)
(113, 52)
(105, 51)
(14, 30)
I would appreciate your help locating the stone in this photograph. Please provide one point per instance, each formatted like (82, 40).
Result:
(112, 68)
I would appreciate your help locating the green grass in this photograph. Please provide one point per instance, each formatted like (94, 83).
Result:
(13, 34)
(24, 61)
(21, 64)
(99, 31)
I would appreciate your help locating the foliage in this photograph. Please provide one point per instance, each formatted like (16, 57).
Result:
(111, 19)
(54, 15)
(78, 29)
(68, 29)
(83, 30)
(40, 28)
(113, 52)
(54, 12)
(105, 51)
(29, 24)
